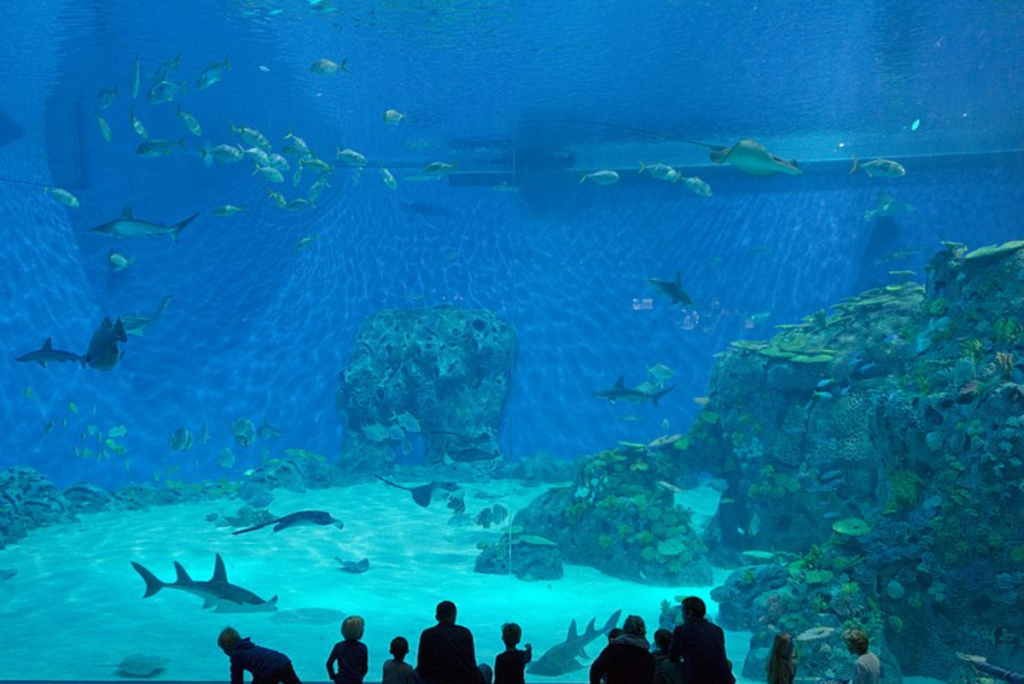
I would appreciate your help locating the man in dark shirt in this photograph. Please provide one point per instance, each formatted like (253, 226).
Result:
(446, 654)
(700, 645)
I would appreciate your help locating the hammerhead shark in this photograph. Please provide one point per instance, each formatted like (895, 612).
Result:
(297, 519)
(623, 393)
(47, 353)
(560, 659)
(424, 494)
(217, 592)
(673, 289)
(127, 225)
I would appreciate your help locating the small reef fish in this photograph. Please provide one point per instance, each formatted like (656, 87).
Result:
(137, 126)
(227, 210)
(319, 165)
(104, 127)
(164, 70)
(662, 172)
(212, 74)
(601, 177)
(393, 117)
(883, 168)
(269, 173)
(181, 439)
(268, 431)
(190, 122)
(259, 156)
(62, 196)
(406, 421)
(158, 147)
(350, 157)
(226, 154)
(317, 189)
(305, 242)
(299, 145)
(375, 432)
(106, 97)
(438, 168)
(251, 136)
(278, 162)
(388, 178)
(326, 67)
(120, 261)
(697, 186)
(660, 372)
(164, 91)
(298, 204)
(277, 198)
(226, 458)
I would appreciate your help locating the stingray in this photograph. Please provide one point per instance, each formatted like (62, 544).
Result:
(140, 666)
(424, 494)
(355, 567)
(749, 156)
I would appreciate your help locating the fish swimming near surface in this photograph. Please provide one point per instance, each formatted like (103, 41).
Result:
(104, 353)
(622, 393)
(561, 658)
(127, 225)
(136, 324)
(883, 168)
(672, 289)
(47, 353)
(216, 592)
(297, 519)
(424, 494)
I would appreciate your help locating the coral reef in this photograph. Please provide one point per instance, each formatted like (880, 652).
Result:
(619, 517)
(889, 449)
(526, 556)
(440, 374)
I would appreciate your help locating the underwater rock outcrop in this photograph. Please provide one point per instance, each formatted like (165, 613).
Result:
(619, 517)
(883, 443)
(440, 375)
(526, 556)
(27, 501)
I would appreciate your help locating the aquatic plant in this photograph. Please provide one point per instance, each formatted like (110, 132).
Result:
(938, 306)
(973, 349)
(1007, 330)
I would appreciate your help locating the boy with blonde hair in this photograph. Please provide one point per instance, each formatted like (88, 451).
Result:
(265, 665)
(350, 654)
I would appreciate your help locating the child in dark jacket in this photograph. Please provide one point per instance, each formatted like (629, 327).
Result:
(265, 665)
(350, 655)
(510, 665)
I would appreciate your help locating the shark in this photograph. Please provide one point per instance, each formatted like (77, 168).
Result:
(424, 494)
(673, 289)
(47, 353)
(560, 659)
(103, 353)
(136, 324)
(126, 225)
(216, 592)
(297, 519)
(636, 396)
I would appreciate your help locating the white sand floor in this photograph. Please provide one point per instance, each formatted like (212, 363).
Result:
(75, 607)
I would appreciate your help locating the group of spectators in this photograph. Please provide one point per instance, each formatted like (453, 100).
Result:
(693, 653)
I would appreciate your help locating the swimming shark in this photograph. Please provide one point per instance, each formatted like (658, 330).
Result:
(217, 592)
(297, 519)
(127, 225)
(103, 353)
(424, 494)
(622, 393)
(136, 324)
(560, 659)
(673, 289)
(47, 353)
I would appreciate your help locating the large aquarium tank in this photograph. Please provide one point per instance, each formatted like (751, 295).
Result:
(559, 311)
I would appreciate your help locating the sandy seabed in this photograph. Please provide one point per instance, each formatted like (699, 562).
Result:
(75, 608)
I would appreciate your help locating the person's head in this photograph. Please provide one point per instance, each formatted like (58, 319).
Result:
(662, 639)
(352, 628)
(614, 634)
(856, 641)
(511, 633)
(228, 639)
(694, 609)
(634, 625)
(399, 648)
(446, 612)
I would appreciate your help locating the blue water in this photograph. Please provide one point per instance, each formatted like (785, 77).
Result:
(260, 328)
